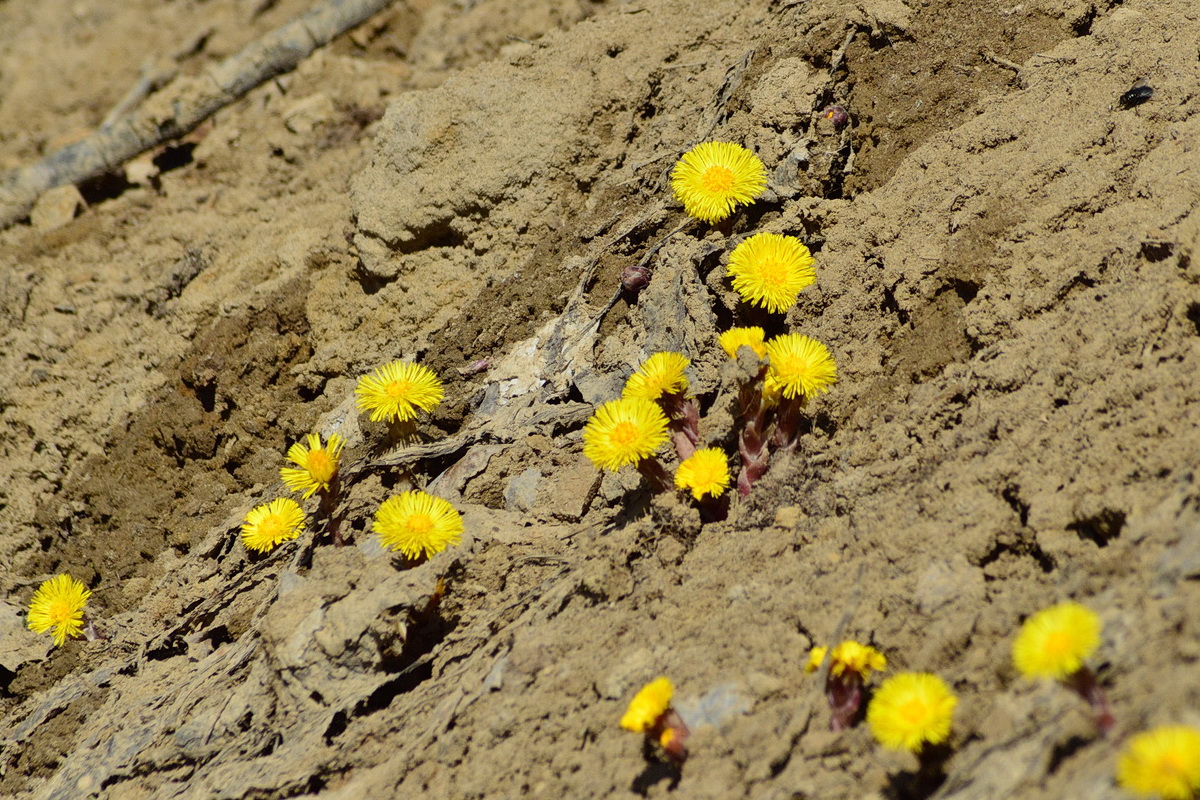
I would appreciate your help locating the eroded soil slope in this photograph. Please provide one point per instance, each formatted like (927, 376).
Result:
(1007, 277)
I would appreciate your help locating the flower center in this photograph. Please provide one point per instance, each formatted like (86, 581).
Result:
(794, 369)
(773, 273)
(1172, 764)
(914, 712)
(1058, 644)
(717, 179)
(398, 390)
(625, 434)
(272, 528)
(420, 524)
(320, 466)
(60, 611)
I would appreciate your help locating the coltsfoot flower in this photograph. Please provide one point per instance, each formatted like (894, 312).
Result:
(849, 670)
(1163, 762)
(706, 472)
(624, 432)
(714, 178)
(650, 712)
(650, 703)
(849, 656)
(770, 270)
(271, 524)
(317, 465)
(910, 710)
(800, 367)
(1055, 642)
(660, 374)
(735, 338)
(58, 603)
(417, 524)
(395, 391)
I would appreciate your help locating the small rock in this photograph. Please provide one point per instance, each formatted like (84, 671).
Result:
(944, 582)
(789, 517)
(56, 208)
(521, 492)
(716, 706)
(573, 490)
(142, 171)
(304, 115)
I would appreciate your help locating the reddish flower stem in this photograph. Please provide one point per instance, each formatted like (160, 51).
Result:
(327, 511)
(684, 421)
(752, 443)
(844, 693)
(676, 748)
(787, 424)
(1086, 685)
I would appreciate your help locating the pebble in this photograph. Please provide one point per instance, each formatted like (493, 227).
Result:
(56, 208)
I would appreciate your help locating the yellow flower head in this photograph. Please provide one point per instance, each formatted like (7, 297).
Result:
(911, 709)
(58, 603)
(1164, 762)
(624, 432)
(661, 373)
(704, 472)
(648, 705)
(849, 656)
(816, 657)
(1055, 641)
(272, 524)
(735, 338)
(395, 391)
(769, 270)
(713, 178)
(800, 367)
(418, 524)
(317, 464)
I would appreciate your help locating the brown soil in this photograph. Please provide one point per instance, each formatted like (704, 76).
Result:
(1008, 278)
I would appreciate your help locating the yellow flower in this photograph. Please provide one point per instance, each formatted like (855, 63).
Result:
(800, 366)
(58, 603)
(769, 270)
(1163, 762)
(713, 178)
(662, 373)
(816, 657)
(418, 524)
(317, 464)
(911, 709)
(1055, 641)
(849, 656)
(624, 432)
(648, 705)
(271, 524)
(395, 391)
(704, 472)
(735, 338)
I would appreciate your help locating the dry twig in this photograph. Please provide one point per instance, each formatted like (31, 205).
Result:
(182, 105)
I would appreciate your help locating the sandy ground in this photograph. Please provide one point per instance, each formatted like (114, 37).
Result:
(1008, 277)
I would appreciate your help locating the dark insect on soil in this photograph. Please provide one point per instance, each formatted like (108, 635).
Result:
(1138, 94)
